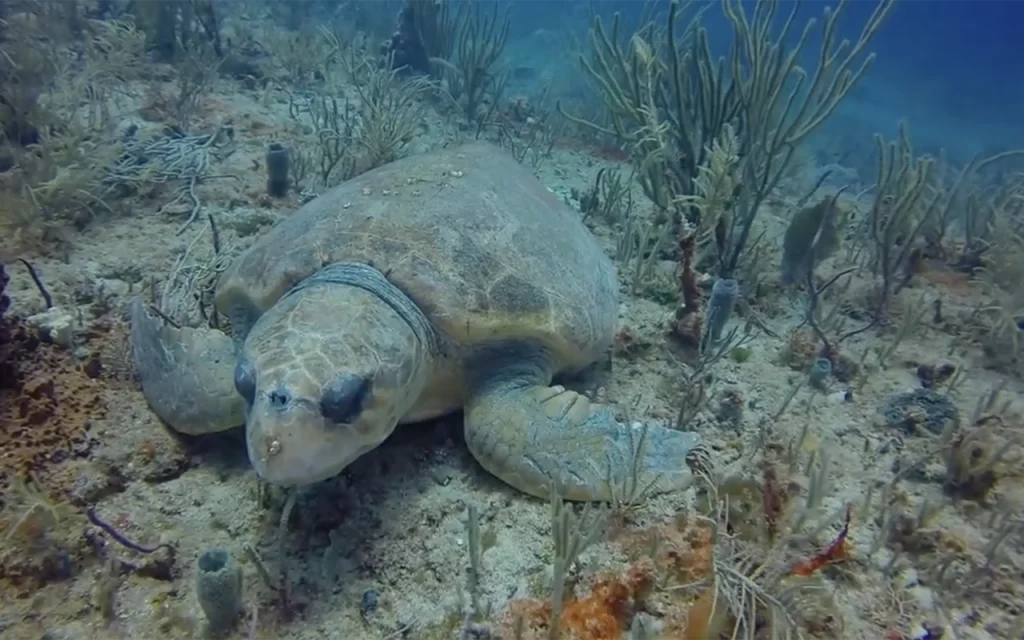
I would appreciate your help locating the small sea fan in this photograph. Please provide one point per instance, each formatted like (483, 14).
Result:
(29, 514)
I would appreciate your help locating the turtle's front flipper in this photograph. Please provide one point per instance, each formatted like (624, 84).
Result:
(530, 435)
(187, 374)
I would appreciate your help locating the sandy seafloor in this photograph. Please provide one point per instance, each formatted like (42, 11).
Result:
(397, 516)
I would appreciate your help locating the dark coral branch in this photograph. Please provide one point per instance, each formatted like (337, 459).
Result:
(687, 281)
(39, 283)
(5, 302)
(120, 538)
(774, 498)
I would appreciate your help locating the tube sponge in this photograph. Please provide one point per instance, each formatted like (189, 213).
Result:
(278, 161)
(723, 298)
(820, 371)
(219, 588)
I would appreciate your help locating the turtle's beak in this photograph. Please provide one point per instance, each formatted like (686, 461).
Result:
(291, 444)
(288, 446)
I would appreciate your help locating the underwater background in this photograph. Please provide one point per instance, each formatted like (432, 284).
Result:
(950, 67)
(783, 310)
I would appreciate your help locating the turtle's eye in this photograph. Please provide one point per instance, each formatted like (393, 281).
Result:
(245, 382)
(344, 398)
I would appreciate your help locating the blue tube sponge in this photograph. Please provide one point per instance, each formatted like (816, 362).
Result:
(820, 371)
(219, 588)
(278, 163)
(723, 298)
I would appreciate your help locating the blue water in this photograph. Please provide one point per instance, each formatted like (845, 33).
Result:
(954, 69)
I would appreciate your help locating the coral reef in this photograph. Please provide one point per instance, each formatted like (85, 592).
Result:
(830, 501)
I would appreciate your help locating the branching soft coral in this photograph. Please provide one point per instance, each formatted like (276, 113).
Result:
(1003, 285)
(57, 181)
(60, 87)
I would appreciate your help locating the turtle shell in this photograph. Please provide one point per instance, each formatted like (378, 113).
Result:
(483, 248)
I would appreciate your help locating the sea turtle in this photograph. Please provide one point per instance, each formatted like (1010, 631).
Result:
(443, 281)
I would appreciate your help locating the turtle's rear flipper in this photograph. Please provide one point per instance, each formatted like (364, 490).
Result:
(187, 374)
(534, 436)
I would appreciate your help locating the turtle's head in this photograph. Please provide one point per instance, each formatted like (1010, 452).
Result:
(329, 371)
